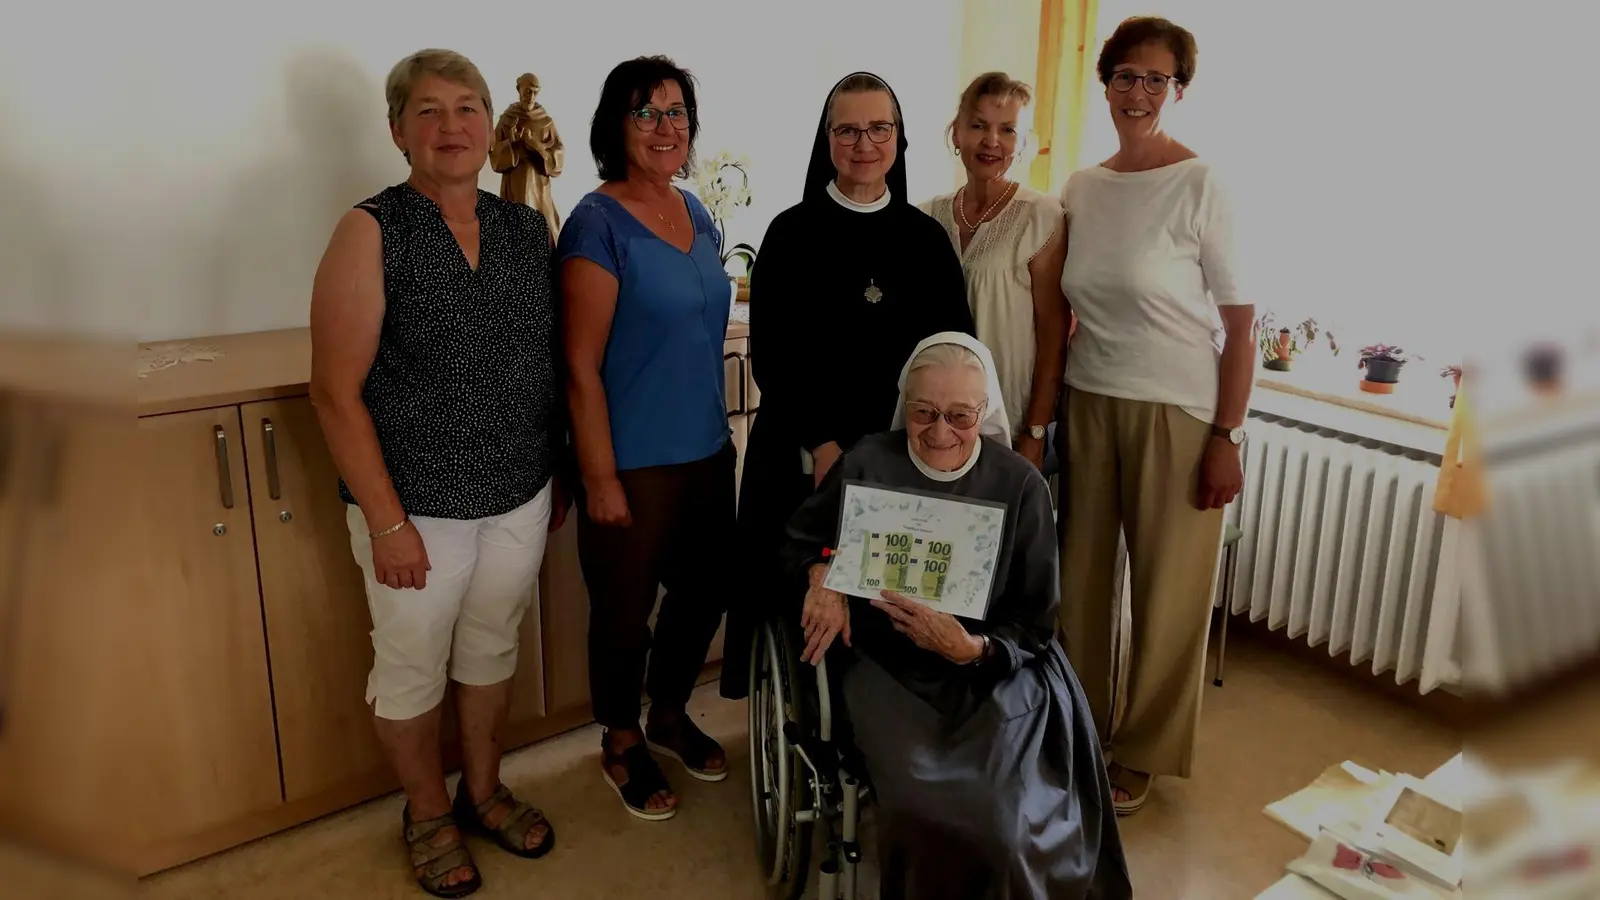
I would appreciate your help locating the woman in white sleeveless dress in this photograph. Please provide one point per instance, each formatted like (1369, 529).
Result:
(1012, 243)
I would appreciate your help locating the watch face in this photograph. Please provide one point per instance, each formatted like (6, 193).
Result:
(1037, 431)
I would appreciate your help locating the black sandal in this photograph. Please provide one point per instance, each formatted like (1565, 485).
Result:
(644, 780)
(512, 832)
(437, 863)
(686, 743)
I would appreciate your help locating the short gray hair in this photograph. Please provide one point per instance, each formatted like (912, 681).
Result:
(446, 64)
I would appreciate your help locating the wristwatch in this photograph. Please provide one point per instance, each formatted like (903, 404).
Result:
(1234, 436)
(1037, 432)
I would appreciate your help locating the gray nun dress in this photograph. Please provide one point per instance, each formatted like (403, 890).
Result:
(988, 778)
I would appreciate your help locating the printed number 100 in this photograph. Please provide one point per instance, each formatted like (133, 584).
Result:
(935, 566)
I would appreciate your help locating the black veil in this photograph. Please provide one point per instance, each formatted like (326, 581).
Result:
(820, 172)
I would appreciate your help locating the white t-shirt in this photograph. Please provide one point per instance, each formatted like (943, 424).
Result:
(1000, 286)
(1149, 260)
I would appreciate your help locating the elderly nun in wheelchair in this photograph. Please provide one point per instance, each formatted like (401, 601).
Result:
(975, 734)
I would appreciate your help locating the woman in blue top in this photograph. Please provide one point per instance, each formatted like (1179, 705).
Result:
(645, 309)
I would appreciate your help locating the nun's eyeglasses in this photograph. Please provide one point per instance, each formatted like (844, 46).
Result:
(646, 118)
(960, 419)
(849, 135)
(1154, 82)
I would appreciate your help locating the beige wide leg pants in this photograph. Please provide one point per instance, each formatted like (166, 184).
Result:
(1132, 468)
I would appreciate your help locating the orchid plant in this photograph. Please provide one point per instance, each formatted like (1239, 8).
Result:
(723, 185)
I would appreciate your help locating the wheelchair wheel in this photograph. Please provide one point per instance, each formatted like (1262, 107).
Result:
(780, 783)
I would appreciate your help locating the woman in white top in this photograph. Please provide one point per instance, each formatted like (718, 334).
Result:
(1158, 384)
(1012, 244)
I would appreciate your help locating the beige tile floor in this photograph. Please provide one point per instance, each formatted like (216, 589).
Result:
(1276, 724)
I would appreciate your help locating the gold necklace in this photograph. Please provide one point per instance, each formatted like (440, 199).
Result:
(961, 208)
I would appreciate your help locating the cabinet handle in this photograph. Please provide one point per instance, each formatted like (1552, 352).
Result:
(269, 437)
(745, 382)
(744, 376)
(740, 358)
(224, 474)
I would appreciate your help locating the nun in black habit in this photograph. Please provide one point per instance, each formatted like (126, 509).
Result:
(848, 281)
(976, 734)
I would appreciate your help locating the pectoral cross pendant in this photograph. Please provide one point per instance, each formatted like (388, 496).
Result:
(873, 293)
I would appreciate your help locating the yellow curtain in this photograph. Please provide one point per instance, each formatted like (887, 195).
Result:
(1461, 491)
(1067, 54)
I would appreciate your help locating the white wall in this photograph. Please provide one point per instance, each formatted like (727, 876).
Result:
(1357, 180)
(179, 174)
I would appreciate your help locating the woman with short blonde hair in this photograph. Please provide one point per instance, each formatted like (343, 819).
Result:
(1012, 243)
(433, 378)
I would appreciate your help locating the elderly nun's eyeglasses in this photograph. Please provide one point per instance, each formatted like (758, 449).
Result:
(960, 418)
(646, 118)
(1154, 82)
(849, 135)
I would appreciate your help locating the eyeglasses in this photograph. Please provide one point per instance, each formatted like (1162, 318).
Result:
(849, 135)
(1154, 82)
(960, 419)
(647, 118)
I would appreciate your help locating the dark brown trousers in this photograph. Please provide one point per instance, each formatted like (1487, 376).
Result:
(680, 539)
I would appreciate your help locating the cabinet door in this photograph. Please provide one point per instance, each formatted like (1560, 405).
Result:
(564, 614)
(733, 376)
(314, 598)
(752, 393)
(205, 751)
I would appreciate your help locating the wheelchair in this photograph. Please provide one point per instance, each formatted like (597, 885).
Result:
(808, 782)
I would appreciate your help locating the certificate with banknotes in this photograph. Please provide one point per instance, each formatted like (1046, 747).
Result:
(939, 550)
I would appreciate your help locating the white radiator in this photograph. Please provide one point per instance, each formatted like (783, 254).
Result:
(1342, 548)
(1530, 580)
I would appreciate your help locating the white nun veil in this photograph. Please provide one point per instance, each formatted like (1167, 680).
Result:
(996, 424)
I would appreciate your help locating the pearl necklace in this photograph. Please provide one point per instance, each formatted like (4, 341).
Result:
(961, 208)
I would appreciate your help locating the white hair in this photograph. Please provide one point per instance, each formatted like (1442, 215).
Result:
(944, 356)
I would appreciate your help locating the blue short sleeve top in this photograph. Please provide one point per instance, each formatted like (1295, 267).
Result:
(663, 369)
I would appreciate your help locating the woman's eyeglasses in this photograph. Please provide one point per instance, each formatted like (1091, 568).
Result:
(647, 118)
(961, 418)
(849, 135)
(1154, 82)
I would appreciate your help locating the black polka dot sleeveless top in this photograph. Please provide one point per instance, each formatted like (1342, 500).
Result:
(463, 389)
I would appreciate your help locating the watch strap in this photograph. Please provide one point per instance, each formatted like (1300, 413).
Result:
(1227, 434)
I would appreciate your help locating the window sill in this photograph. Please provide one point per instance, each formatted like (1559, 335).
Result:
(1407, 418)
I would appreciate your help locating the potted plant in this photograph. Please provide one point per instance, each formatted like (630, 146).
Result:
(1382, 363)
(1542, 365)
(1455, 373)
(723, 186)
(1279, 346)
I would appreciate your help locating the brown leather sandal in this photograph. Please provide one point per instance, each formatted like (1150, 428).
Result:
(436, 863)
(512, 832)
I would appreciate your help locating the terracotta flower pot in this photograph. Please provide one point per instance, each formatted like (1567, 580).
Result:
(1285, 355)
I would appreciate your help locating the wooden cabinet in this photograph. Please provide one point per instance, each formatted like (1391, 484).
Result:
(313, 601)
(184, 633)
(206, 750)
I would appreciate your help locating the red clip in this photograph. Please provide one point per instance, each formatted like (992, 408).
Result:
(827, 552)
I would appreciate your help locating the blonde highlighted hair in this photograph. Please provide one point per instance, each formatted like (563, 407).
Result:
(446, 64)
(990, 84)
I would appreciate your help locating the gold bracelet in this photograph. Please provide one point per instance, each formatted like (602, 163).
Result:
(391, 529)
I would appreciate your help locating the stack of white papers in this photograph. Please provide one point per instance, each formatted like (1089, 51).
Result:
(1383, 836)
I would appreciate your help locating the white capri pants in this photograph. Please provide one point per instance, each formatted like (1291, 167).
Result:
(485, 573)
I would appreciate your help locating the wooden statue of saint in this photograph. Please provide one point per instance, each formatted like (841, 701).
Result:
(527, 153)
